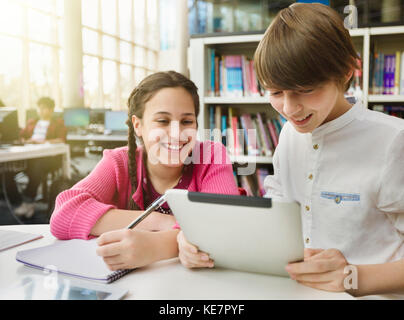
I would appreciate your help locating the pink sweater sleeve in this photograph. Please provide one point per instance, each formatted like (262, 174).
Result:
(78, 209)
(217, 172)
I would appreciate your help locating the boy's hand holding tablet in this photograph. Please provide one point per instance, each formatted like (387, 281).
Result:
(190, 256)
(321, 269)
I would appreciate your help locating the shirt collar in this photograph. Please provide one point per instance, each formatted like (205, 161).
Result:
(339, 122)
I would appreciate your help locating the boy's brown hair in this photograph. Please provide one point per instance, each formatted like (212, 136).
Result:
(46, 102)
(305, 45)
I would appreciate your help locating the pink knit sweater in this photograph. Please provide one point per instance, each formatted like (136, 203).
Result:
(108, 187)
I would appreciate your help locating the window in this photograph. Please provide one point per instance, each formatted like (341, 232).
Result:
(120, 44)
(120, 47)
(30, 64)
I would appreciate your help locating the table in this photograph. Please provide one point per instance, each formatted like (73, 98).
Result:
(95, 143)
(97, 137)
(32, 151)
(169, 280)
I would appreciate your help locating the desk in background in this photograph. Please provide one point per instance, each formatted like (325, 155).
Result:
(169, 280)
(87, 143)
(32, 151)
(97, 137)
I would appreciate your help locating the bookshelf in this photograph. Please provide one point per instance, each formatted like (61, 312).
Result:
(387, 39)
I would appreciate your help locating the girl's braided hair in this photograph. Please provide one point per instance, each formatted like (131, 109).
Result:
(146, 89)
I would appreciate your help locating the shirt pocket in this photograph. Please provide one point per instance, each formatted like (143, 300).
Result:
(340, 198)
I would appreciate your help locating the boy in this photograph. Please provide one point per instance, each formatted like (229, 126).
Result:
(342, 163)
(42, 130)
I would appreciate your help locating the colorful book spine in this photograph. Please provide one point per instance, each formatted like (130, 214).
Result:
(380, 76)
(237, 146)
(278, 126)
(217, 87)
(272, 132)
(262, 173)
(386, 72)
(218, 118)
(245, 84)
(265, 137)
(211, 119)
(375, 89)
(224, 129)
(397, 73)
(212, 72)
(246, 185)
(244, 127)
(402, 74)
(392, 71)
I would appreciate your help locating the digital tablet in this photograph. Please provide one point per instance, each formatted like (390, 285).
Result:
(238, 232)
(52, 287)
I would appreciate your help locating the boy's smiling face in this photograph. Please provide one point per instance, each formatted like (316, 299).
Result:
(309, 108)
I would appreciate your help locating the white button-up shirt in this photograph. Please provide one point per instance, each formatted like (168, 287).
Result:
(348, 176)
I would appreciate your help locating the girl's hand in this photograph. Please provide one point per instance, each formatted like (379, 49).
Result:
(126, 249)
(189, 255)
(321, 269)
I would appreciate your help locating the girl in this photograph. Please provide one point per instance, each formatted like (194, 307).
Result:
(343, 163)
(162, 115)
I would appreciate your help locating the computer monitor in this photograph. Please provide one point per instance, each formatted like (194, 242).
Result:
(76, 117)
(97, 116)
(115, 121)
(9, 129)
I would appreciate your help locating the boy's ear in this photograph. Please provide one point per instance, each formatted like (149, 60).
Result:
(137, 125)
(348, 76)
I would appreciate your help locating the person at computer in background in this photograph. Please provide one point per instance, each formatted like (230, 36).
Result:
(162, 115)
(44, 129)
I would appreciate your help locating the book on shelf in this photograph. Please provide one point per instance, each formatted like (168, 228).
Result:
(246, 133)
(253, 184)
(232, 76)
(224, 129)
(261, 173)
(401, 75)
(246, 185)
(396, 111)
(387, 73)
(355, 89)
(218, 118)
(272, 132)
(265, 137)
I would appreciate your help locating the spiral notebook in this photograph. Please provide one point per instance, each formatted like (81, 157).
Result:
(77, 258)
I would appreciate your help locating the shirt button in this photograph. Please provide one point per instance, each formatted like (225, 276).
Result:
(310, 176)
(315, 147)
(307, 208)
(307, 240)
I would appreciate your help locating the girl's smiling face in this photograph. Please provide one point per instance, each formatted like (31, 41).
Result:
(168, 127)
(309, 108)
